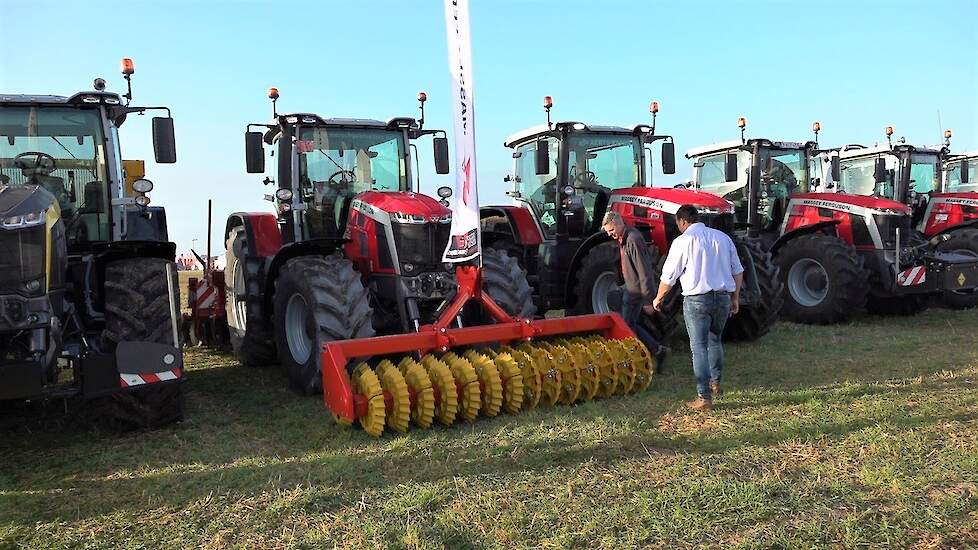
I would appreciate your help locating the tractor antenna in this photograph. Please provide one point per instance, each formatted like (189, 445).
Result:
(273, 95)
(128, 68)
(654, 109)
(548, 102)
(742, 124)
(422, 97)
(889, 136)
(816, 127)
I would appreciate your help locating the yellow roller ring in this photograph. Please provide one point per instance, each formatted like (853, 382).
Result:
(588, 369)
(607, 370)
(570, 389)
(423, 411)
(490, 381)
(532, 377)
(446, 406)
(623, 365)
(513, 391)
(392, 382)
(365, 383)
(470, 399)
(551, 378)
(642, 363)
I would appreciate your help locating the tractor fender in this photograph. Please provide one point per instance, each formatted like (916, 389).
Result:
(314, 247)
(261, 229)
(575, 264)
(807, 230)
(522, 226)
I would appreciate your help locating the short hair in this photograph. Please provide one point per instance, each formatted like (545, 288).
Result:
(612, 218)
(688, 213)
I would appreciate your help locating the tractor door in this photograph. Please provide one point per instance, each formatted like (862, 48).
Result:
(539, 192)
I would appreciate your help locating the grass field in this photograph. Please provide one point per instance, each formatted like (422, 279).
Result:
(863, 435)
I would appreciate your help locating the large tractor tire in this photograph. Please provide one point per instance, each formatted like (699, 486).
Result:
(317, 300)
(756, 320)
(505, 281)
(897, 305)
(963, 241)
(254, 344)
(597, 290)
(138, 309)
(824, 280)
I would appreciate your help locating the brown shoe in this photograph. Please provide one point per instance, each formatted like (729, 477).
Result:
(701, 404)
(715, 389)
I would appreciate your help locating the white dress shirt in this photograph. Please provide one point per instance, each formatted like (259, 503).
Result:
(703, 260)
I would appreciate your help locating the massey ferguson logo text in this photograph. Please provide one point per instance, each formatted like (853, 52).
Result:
(964, 202)
(646, 202)
(462, 95)
(827, 204)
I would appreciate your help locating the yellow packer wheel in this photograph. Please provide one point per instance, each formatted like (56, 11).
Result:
(470, 399)
(587, 368)
(570, 389)
(513, 390)
(491, 384)
(532, 378)
(392, 382)
(642, 363)
(446, 406)
(365, 383)
(551, 379)
(607, 370)
(418, 381)
(623, 366)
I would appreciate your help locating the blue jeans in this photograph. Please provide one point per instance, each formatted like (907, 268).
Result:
(632, 313)
(706, 315)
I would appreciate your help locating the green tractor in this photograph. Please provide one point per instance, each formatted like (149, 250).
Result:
(89, 300)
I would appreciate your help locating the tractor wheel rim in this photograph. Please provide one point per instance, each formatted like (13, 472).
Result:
(296, 316)
(808, 282)
(603, 285)
(240, 307)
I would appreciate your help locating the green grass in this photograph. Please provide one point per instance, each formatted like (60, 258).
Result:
(859, 435)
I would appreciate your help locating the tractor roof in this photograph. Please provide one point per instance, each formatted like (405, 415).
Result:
(310, 118)
(737, 144)
(92, 97)
(855, 150)
(544, 129)
(964, 155)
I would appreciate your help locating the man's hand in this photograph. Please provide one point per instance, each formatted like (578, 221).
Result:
(656, 304)
(734, 304)
(649, 309)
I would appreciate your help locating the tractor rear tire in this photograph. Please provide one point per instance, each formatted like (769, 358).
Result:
(506, 283)
(897, 305)
(598, 276)
(254, 346)
(138, 309)
(824, 280)
(755, 321)
(317, 300)
(961, 240)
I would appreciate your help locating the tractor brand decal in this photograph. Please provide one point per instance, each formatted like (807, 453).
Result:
(655, 204)
(464, 242)
(362, 206)
(955, 200)
(913, 276)
(828, 204)
(129, 380)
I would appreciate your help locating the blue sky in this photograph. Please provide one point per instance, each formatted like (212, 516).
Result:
(855, 66)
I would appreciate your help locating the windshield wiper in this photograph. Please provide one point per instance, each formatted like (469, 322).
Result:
(56, 140)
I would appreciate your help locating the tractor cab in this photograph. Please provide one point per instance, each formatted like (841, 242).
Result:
(960, 173)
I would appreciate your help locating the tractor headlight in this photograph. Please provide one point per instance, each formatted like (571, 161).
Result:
(26, 220)
(284, 195)
(142, 185)
(142, 200)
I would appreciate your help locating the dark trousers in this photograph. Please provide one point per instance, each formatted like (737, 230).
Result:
(631, 312)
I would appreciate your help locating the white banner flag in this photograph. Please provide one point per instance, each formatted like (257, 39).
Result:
(464, 242)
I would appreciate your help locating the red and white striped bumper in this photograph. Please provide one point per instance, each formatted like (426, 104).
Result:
(913, 276)
(129, 380)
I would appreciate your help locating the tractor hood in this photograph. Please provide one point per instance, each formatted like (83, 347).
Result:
(860, 201)
(406, 204)
(17, 200)
(670, 199)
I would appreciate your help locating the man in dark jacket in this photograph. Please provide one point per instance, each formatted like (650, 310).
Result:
(640, 280)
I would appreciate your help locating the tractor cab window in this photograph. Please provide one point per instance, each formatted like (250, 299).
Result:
(953, 171)
(539, 191)
(337, 164)
(60, 149)
(924, 173)
(784, 172)
(858, 178)
(597, 165)
(710, 177)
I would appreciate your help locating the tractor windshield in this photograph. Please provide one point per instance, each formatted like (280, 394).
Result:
(924, 173)
(604, 161)
(953, 170)
(62, 150)
(859, 178)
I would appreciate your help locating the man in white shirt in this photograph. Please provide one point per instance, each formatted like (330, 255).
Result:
(705, 263)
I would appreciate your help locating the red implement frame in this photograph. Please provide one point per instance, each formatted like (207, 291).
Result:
(338, 393)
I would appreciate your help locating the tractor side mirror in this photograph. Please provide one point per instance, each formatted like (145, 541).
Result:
(965, 176)
(164, 143)
(836, 169)
(879, 172)
(730, 167)
(668, 158)
(254, 153)
(441, 154)
(542, 157)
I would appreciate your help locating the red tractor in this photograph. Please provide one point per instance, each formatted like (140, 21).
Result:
(839, 248)
(566, 175)
(944, 212)
(354, 251)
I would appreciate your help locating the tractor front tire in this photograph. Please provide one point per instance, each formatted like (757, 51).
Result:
(251, 340)
(505, 281)
(317, 300)
(963, 241)
(754, 321)
(138, 309)
(824, 280)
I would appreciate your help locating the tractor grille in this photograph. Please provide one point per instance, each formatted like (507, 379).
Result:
(21, 256)
(421, 244)
(888, 226)
(720, 222)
